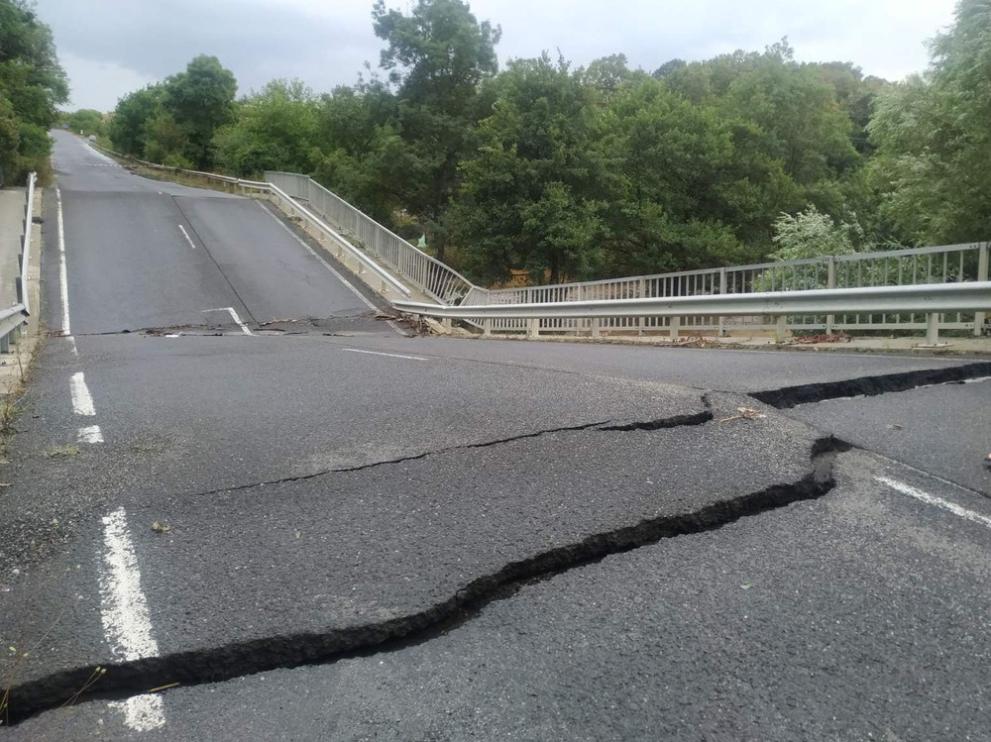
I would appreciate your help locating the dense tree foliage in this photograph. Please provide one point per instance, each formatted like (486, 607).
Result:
(175, 121)
(605, 170)
(32, 84)
(85, 121)
(933, 164)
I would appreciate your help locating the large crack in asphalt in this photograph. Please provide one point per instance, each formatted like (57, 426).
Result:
(869, 386)
(207, 665)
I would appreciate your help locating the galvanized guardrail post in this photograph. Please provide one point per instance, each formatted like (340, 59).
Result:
(722, 290)
(830, 284)
(982, 275)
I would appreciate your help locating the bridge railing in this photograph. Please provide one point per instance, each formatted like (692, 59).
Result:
(930, 300)
(426, 273)
(13, 318)
(904, 267)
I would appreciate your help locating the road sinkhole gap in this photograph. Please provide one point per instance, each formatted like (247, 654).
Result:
(135, 676)
(869, 386)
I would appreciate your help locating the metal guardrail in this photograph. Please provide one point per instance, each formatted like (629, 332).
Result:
(910, 266)
(12, 318)
(929, 299)
(426, 273)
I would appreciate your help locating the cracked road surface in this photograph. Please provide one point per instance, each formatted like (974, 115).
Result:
(220, 531)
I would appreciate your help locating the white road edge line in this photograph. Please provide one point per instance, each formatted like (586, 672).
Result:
(329, 267)
(938, 502)
(124, 614)
(186, 235)
(380, 353)
(82, 401)
(90, 434)
(237, 320)
(63, 275)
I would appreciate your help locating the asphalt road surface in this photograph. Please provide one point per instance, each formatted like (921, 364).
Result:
(240, 505)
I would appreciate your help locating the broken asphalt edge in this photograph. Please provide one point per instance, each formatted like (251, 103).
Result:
(214, 664)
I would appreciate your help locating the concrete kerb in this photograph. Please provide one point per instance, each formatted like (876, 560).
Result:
(915, 346)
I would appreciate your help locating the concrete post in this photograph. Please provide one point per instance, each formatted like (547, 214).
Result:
(596, 327)
(781, 329)
(722, 290)
(932, 328)
(673, 326)
(642, 290)
(533, 328)
(486, 327)
(830, 284)
(982, 275)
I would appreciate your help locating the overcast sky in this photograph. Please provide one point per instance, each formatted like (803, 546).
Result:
(110, 47)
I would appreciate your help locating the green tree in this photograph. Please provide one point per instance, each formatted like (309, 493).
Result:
(200, 101)
(32, 84)
(530, 192)
(793, 140)
(437, 56)
(85, 121)
(129, 123)
(933, 164)
(669, 162)
(361, 154)
(274, 129)
(808, 234)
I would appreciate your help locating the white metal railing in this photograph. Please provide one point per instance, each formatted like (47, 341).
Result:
(12, 318)
(911, 266)
(426, 273)
(931, 300)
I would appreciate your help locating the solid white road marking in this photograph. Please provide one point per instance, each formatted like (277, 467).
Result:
(62, 273)
(329, 267)
(99, 155)
(237, 320)
(186, 235)
(938, 502)
(90, 434)
(82, 401)
(124, 614)
(390, 355)
(141, 713)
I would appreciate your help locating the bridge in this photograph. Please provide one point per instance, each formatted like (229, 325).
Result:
(244, 500)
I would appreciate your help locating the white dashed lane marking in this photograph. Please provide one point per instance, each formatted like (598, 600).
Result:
(125, 618)
(389, 355)
(234, 316)
(186, 235)
(82, 401)
(90, 434)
